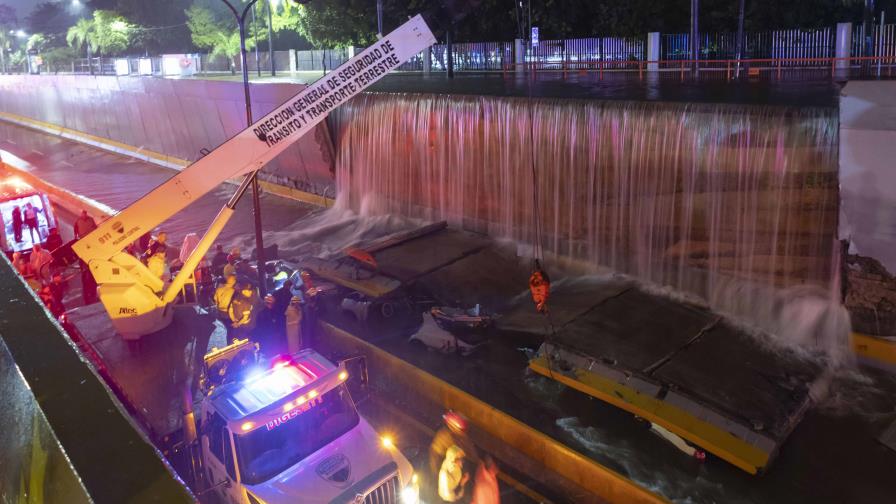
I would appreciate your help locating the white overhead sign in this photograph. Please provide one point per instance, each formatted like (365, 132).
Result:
(255, 146)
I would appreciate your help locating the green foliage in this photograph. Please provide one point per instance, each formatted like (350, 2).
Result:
(215, 32)
(106, 33)
(36, 42)
(60, 58)
(82, 34)
(114, 33)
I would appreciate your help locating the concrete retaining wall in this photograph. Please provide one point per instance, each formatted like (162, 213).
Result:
(162, 120)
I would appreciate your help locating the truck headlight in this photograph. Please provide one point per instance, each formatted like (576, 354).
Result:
(411, 493)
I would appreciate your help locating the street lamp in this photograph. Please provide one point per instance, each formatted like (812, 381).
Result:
(256, 202)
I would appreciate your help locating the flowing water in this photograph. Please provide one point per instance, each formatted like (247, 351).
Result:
(736, 204)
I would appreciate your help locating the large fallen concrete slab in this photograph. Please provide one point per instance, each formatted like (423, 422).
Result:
(686, 369)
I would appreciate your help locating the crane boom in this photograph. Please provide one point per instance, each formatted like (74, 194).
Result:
(255, 146)
(132, 296)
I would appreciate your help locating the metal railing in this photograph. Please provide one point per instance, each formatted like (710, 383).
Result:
(728, 69)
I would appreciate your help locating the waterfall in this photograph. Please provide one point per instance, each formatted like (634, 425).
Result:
(736, 204)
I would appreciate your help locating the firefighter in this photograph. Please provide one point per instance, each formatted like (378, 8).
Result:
(243, 311)
(454, 432)
(452, 477)
(222, 298)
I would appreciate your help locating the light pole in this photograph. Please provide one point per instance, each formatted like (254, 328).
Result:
(76, 4)
(271, 37)
(256, 202)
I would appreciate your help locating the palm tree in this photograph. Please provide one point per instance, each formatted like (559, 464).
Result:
(5, 45)
(83, 33)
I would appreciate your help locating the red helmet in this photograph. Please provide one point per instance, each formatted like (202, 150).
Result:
(455, 421)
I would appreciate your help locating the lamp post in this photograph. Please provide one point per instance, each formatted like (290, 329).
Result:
(271, 38)
(256, 202)
(76, 4)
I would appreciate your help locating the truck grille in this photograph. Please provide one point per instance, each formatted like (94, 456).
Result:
(387, 493)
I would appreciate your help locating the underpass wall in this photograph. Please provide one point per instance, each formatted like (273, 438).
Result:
(164, 121)
(868, 199)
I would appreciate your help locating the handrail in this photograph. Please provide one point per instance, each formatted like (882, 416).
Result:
(682, 65)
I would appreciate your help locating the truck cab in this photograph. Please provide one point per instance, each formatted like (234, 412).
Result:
(290, 433)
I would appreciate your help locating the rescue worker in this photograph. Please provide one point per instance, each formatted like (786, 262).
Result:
(29, 216)
(54, 240)
(20, 263)
(142, 243)
(88, 285)
(17, 223)
(452, 478)
(266, 331)
(540, 287)
(243, 311)
(485, 485)
(84, 225)
(159, 244)
(46, 295)
(232, 258)
(282, 296)
(219, 260)
(57, 289)
(157, 263)
(454, 432)
(293, 318)
(222, 298)
(40, 262)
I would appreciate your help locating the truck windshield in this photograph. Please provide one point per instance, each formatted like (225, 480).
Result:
(272, 448)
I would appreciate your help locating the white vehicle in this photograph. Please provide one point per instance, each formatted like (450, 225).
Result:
(290, 433)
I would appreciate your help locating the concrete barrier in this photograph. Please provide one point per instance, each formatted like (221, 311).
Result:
(575, 467)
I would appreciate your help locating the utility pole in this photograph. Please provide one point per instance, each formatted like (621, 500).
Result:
(379, 18)
(740, 36)
(695, 33)
(271, 38)
(255, 34)
(256, 199)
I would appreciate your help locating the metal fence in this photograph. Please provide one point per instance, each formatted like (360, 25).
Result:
(588, 50)
(882, 41)
(779, 44)
(467, 56)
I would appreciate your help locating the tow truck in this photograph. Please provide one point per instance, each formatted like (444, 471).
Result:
(289, 431)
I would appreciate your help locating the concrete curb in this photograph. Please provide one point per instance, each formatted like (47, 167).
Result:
(588, 474)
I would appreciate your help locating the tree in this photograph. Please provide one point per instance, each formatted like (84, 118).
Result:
(215, 32)
(114, 33)
(36, 42)
(82, 34)
(60, 58)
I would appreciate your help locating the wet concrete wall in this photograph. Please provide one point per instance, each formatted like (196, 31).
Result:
(64, 437)
(663, 191)
(868, 208)
(175, 118)
(33, 467)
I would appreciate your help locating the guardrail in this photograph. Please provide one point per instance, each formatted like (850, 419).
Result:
(877, 66)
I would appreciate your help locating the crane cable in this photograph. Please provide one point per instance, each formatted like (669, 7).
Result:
(539, 281)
